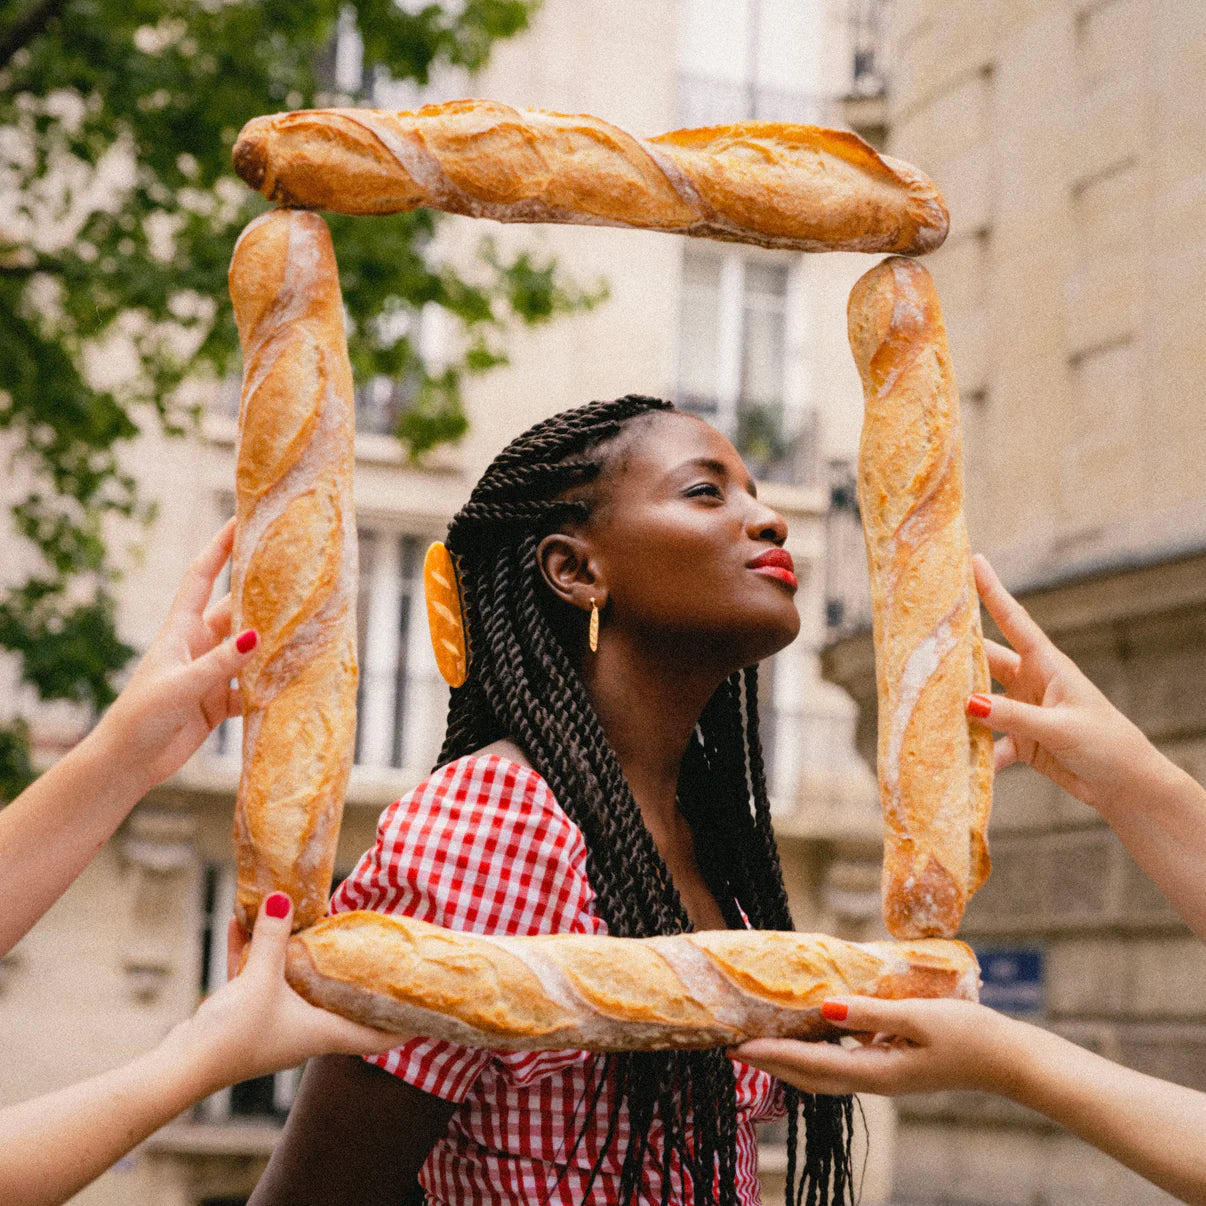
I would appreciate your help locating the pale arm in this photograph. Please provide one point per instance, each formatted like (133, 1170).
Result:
(53, 1146)
(1150, 1125)
(179, 692)
(1056, 720)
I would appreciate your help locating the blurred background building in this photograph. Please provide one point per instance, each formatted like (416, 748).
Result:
(1065, 138)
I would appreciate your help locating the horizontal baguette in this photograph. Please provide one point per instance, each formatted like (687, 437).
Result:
(804, 188)
(556, 991)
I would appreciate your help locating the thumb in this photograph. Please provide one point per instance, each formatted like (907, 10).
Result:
(273, 925)
(223, 661)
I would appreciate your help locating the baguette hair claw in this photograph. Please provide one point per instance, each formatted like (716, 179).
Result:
(444, 616)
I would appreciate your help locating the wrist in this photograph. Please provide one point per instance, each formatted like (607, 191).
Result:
(114, 759)
(197, 1059)
(1146, 778)
(1006, 1057)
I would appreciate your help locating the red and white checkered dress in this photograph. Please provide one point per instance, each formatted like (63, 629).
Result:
(483, 846)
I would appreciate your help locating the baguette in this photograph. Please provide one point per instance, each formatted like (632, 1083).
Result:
(935, 769)
(444, 617)
(293, 567)
(798, 187)
(596, 993)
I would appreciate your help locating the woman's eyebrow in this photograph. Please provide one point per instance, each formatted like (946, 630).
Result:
(712, 465)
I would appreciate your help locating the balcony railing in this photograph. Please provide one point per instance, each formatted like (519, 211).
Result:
(847, 586)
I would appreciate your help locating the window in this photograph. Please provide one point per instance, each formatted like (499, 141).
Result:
(733, 360)
(401, 702)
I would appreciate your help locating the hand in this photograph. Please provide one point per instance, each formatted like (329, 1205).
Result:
(1052, 716)
(181, 688)
(916, 1046)
(256, 1023)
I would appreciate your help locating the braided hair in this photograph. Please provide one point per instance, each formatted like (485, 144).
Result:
(524, 686)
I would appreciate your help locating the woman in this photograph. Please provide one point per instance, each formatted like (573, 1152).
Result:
(1055, 719)
(616, 790)
(54, 1145)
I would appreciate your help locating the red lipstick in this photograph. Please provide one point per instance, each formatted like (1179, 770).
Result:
(776, 563)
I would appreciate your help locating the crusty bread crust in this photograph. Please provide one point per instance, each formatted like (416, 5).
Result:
(597, 993)
(293, 567)
(799, 187)
(444, 615)
(935, 769)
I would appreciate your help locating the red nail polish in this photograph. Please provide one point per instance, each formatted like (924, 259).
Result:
(247, 641)
(277, 905)
(835, 1011)
(979, 706)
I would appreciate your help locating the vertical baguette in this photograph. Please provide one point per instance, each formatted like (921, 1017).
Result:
(293, 568)
(935, 769)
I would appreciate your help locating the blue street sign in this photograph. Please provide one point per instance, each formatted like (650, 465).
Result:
(1013, 978)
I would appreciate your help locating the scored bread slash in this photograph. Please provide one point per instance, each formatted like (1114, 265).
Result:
(444, 616)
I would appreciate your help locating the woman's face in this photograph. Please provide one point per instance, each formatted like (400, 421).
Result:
(690, 558)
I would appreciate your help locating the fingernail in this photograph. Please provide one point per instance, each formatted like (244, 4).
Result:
(247, 641)
(835, 1011)
(277, 905)
(979, 706)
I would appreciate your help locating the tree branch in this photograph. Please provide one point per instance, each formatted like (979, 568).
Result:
(26, 28)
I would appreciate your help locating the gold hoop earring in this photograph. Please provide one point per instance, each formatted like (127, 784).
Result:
(594, 626)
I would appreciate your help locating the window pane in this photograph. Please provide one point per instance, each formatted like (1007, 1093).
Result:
(409, 561)
(763, 343)
(699, 333)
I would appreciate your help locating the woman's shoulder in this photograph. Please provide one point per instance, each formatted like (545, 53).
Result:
(496, 779)
(505, 749)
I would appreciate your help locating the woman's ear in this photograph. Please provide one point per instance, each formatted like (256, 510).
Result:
(569, 569)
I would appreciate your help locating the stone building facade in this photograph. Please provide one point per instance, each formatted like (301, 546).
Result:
(1067, 139)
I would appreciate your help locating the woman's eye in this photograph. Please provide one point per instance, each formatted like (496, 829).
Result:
(705, 490)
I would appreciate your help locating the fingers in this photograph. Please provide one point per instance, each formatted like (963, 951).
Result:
(1003, 663)
(221, 664)
(198, 582)
(270, 936)
(218, 617)
(350, 1038)
(1004, 754)
(813, 1067)
(237, 939)
(870, 1015)
(1010, 616)
(1044, 726)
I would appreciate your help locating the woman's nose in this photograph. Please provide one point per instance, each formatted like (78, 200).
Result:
(767, 524)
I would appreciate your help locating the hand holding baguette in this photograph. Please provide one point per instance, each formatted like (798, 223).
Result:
(935, 769)
(799, 187)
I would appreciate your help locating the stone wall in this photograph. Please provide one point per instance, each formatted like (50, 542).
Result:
(1063, 139)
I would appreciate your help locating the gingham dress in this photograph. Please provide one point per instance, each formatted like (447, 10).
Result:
(483, 846)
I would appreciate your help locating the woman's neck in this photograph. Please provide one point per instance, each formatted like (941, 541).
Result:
(648, 710)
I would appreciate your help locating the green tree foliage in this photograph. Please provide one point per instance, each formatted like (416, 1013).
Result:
(118, 214)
